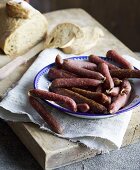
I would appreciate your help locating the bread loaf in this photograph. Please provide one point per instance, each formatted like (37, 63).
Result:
(63, 35)
(21, 30)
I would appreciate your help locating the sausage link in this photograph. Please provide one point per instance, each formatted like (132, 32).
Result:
(96, 96)
(82, 64)
(125, 73)
(58, 61)
(94, 106)
(55, 73)
(48, 117)
(83, 107)
(99, 88)
(67, 102)
(122, 98)
(126, 87)
(113, 92)
(74, 82)
(82, 71)
(97, 60)
(108, 83)
(119, 59)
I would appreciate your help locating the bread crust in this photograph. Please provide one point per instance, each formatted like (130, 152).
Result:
(16, 10)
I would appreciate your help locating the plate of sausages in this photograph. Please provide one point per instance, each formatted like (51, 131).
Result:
(91, 87)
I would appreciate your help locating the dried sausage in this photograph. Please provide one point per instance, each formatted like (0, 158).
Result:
(97, 60)
(108, 83)
(119, 59)
(96, 96)
(94, 106)
(43, 94)
(74, 82)
(48, 117)
(122, 98)
(83, 107)
(125, 73)
(82, 71)
(55, 73)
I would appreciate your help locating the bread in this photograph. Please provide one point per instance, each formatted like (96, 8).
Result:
(17, 34)
(63, 35)
(73, 39)
(18, 9)
(85, 43)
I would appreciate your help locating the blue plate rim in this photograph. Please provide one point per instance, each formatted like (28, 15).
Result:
(78, 113)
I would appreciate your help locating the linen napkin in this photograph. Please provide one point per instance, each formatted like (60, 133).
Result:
(102, 134)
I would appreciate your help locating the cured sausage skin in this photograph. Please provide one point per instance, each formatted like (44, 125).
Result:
(67, 102)
(125, 73)
(94, 106)
(122, 98)
(97, 60)
(55, 73)
(119, 59)
(96, 96)
(74, 82)
(108, 83)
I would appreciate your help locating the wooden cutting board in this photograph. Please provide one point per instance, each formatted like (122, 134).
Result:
(51, 151)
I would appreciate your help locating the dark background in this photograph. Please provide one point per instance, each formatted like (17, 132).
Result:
(120, 17)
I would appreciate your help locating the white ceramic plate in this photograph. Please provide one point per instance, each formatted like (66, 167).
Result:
(41, 82)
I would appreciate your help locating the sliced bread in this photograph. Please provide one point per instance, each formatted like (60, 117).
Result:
(85, 43)
(86, 24)
(18, 35)
(63, 35)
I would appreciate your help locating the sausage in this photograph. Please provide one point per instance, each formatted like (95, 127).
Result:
(48, 117)
(117, 81)
(122, 98)
(126, 87)
(99, 88)
(74, 82)
(108, 83)
(119, 59)
(82, 71)
(55, 73)
(83, 107)
(89, 88)
(83, 64)
(67, 102)
(58, 61)
(94, 106)
(118, 103)
(97, 60)
(125, 73)
(96, 96)
(113, 92)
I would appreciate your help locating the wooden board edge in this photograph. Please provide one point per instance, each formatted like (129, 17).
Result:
(27, 139)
